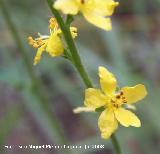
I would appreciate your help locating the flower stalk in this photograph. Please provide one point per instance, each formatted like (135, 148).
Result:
(77, 61)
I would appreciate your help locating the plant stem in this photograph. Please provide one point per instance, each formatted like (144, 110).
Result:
(71, 45)
(77, 61)
(36, 83)
(115, 144)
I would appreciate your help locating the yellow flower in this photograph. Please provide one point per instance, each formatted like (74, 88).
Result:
(113, 103)
(97, 12)
(52, 44)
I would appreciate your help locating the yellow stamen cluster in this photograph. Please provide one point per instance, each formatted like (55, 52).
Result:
(36, 43)
(118, 100)
(121, 97)
(53, 24)
(53, 43)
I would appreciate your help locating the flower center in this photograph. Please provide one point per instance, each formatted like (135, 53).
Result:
(118, 99)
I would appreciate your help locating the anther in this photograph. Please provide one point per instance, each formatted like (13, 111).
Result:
(31, 41)
(121, 93)
(35, 45)
(115, 105)
(124, 101)
(118, 96)
(30, 38)
(82, 1)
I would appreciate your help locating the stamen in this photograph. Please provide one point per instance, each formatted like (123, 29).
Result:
(53, 24)
(115, 105)
(82, 1)
(118, 96)
(35, 43)
(121, 92)
(30, 40)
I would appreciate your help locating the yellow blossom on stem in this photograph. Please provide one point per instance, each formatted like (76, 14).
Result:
(113, 103)
(52, 44)
(97, 12)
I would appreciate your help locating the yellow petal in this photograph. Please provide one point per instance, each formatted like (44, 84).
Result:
(105, 7)
(127, 118)
(83, 109)
(54, 45)
(94, 98)
(107, 80)
(39, 54)
(134, 94)
(67, 6)
(97, 20)
(97, 12)
(107, 123)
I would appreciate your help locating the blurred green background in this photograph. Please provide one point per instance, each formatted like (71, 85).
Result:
(33, 99)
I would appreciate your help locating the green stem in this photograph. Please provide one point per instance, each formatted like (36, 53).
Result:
(115, 144)
(77, 61)
(36, 83)
(71, 45)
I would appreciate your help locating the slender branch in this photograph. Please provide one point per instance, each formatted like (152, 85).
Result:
(37, 85)
(78, 64)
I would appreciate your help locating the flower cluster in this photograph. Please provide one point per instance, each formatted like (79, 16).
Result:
(112, 104)
(52, 44)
